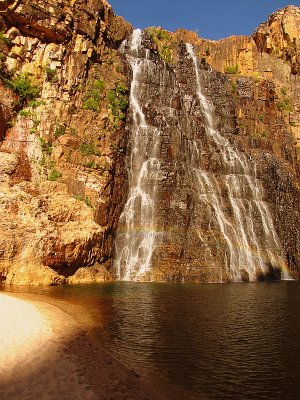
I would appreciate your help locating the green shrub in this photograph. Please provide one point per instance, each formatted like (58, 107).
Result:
(36, 103)
(54, 175)
(35, 124)
(51, 74)
(59, 131)
(3, 39)
(88, 202)
(24, 87)
(118, 102)
(94, 96)
(256, 76)
(166, 53)
(264, 134)
(88, 149)
(25, 113)
(43, 161)
(284, 105)
(157, 33)
(233, 69)
(91, 164)
(46, 147)
(162, 39)
(91, 103)
(116, 148)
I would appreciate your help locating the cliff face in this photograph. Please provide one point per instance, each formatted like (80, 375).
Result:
(62, 138)
(267, 106)
(63, 141)
(222, 204)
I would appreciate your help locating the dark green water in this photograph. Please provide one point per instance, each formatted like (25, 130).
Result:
(233, 341)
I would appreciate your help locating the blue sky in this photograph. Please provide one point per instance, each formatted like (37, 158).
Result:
(211, 19)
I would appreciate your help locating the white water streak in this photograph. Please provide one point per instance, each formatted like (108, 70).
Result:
(249, 232)
(137, 230)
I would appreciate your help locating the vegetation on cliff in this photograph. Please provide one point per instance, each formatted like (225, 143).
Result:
(163, 42)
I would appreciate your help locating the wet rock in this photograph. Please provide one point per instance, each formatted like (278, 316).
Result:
(190, 243)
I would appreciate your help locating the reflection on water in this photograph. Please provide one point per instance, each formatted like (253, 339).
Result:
(235, 341)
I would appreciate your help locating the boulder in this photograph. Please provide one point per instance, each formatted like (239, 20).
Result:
(31, 274)
(95, 274)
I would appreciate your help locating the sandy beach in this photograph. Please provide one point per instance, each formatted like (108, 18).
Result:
(46, 354)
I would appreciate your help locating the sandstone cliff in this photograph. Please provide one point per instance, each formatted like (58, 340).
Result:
(63, 103)
(62, 137)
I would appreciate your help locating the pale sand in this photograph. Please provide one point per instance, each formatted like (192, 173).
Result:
(47, 354)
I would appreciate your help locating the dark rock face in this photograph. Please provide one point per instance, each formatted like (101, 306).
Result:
(216, 194)
(275, 154)
(282, 188)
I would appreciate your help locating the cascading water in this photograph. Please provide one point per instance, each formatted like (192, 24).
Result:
(213, 222)
(248, 252)
(136, 234)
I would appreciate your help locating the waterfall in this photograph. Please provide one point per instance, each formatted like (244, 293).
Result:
(195, 207)
(248, 230)
(137, 226)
